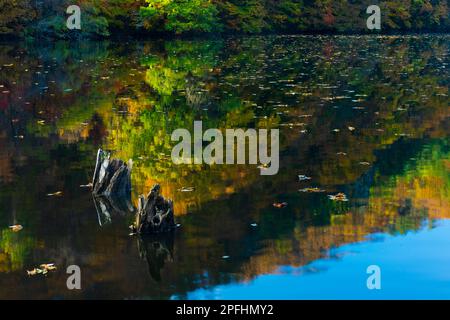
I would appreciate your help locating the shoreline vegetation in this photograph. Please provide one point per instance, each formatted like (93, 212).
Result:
(212, 37)
(148, 19)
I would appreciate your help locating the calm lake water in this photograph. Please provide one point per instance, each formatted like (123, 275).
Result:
(364, 116)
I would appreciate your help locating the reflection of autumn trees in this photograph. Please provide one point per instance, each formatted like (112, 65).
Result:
(381, 121)
(390, 90)
(422, 190)
(247, 85)
(243, 75)
(396, 204)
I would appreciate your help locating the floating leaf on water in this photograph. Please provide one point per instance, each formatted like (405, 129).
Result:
(48, 266)
(89, 185)
(302, 177)
(186, 189)
(312, 190)
(341, 153)
(280, 205)
(43, 269)
(338, 197)
(34, 272)
(56, 194)
(364, 163)
(16, 228)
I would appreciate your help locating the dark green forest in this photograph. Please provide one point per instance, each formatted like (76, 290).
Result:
(109, 18)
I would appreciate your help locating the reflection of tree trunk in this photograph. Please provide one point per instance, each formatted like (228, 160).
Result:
(107, 207)
(97, 130)
(195, 97)
(14, 213)
(157, 251)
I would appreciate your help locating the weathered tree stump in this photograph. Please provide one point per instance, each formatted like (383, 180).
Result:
(155, 214)
(111, 187)
(112, 177)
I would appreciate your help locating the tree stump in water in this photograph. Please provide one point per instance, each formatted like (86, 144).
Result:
(112, 177)
(111, 187)
(112, 181)
(155, 214)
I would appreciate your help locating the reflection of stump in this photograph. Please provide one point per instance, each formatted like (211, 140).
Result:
(156, 251)
(155, 214)
(108, 207)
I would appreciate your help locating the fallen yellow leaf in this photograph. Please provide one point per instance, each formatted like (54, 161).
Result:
(16, 228)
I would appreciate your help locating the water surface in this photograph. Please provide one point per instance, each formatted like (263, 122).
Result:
(365, 116)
